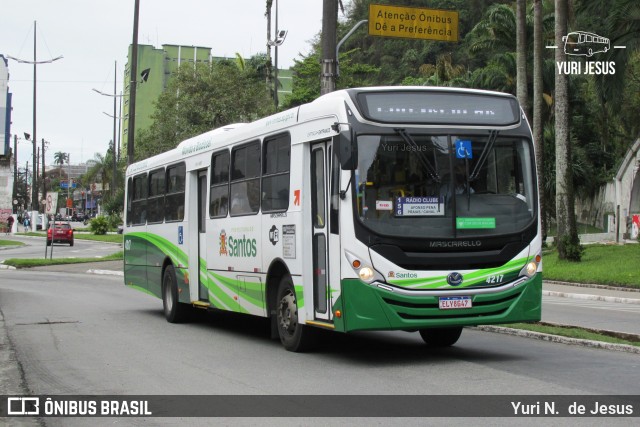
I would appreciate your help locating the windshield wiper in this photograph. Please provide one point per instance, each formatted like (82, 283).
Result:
(424, 161)
(493, 135)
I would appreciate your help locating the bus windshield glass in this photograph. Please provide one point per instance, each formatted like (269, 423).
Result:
(414, 185)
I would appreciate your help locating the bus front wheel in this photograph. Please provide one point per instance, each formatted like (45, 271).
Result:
(441, 337)
(294, 336)
(174, 310)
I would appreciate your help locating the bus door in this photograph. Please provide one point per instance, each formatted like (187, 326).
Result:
(203, 293)
(326, 266)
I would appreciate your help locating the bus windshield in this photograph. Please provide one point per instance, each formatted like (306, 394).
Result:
(414, 185)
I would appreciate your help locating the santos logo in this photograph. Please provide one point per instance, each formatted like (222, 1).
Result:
(237, 247)
(582, 43)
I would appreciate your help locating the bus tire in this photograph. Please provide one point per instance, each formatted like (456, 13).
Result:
(174, 310)
(293, 336)
(441, 337)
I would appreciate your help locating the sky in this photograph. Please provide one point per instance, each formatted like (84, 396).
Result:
(93, 34)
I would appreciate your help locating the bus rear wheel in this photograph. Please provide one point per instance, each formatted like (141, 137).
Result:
(441, 337)
(174, 310)
(293, 336)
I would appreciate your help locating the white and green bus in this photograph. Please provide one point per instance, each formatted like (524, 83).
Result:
(388, 208)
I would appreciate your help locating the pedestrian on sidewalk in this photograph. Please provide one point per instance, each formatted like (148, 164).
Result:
(10, 224)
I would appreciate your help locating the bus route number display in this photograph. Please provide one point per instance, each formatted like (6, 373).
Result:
(419, 206)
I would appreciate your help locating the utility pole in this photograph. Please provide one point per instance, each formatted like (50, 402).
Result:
(115, 152)
(15, 170)
(34, 140)
(69, 185)
(34, 186)
(44, 182)
(132, 88)
(275, 68)
(329, 38)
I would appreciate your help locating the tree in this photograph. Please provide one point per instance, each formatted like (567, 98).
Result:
(521, 58)
(102, 170)
(59, 158)
(203, 98)
(567, 239)
(538, 101)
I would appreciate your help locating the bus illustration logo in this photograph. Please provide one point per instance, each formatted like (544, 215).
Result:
(23, 406)
(454, 279)
(582, 43)
(223, 243)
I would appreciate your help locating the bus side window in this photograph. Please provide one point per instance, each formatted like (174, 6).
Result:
(139, 202)
(275, 174)
(129, 200)
(245, 179)
(335, 192)
(155, 201)
(174, 199)
(219, 197)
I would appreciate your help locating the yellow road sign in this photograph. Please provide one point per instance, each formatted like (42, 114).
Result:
(413, 23)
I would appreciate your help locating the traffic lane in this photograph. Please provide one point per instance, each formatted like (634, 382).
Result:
(74, 335)
(611, 316)
(35, 247)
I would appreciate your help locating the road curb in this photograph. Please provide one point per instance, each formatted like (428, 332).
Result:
(592, 285)
(591, 297)
(559, 339)
(6, 267)
(106, 272)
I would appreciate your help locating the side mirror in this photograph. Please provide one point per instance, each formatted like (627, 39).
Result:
(345, 145)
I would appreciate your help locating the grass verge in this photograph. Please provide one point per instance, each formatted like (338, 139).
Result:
(109, 238)
(601, 264)
(38, 262)
(578, 333)
(10, 243)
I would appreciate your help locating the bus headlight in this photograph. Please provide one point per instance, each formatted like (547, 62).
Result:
(366, 274)
(532, 267)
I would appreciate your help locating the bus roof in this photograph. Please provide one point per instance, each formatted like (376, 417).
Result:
(313, 110)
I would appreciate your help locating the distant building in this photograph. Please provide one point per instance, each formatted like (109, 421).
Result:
(5, 108)
(73, 171)
(6, 159)
(155, 67)
(616, 206)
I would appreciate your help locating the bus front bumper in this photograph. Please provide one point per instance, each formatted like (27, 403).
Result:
(369, 307)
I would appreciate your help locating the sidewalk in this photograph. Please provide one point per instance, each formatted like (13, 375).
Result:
(591, 292)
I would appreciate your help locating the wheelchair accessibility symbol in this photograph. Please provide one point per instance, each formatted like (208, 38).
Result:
(463, 150)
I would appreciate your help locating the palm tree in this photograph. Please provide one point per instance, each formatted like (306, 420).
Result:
(494, 33)
(521, 55)
(102, 169)
(538, 91)
(442, 72)
(59, 158)
(567, 236)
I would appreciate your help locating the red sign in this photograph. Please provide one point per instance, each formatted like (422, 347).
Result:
(69, 203)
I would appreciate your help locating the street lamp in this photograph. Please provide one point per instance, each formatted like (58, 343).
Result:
(114, 96)
(280, 36)
(35, 63)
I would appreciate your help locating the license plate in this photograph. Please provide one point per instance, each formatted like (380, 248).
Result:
(450, 303)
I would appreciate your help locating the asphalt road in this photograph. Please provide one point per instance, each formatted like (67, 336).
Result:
(91, 334)
(602, 315)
